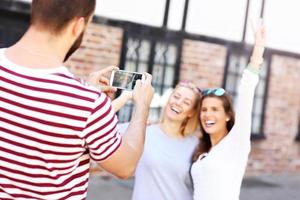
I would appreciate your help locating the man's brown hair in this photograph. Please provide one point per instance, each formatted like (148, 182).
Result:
(54, 15)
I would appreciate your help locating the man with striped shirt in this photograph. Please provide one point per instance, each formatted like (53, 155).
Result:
(51, 124)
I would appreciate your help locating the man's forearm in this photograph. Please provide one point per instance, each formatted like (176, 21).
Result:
(135, 134)
(134, 137)
(123, 161)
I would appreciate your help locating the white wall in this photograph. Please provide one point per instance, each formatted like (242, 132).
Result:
(282, 18)
(142, 11)
(217, 18)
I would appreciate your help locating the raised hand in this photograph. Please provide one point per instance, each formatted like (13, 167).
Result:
(259, 32)
(259, 45)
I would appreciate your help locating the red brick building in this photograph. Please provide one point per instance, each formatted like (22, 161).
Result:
(204, 63)
(210, 62)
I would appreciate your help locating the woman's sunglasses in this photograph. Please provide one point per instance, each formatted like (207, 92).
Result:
(191, 85)
(215, 91)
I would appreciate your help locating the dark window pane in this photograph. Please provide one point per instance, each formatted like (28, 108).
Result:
(143, 67)
(169, 77)
(163, 61)
(158, 73)
(131, 66)
(256, 122)
(298, 136)
(236, 65)
(144, 51)
(171, 55)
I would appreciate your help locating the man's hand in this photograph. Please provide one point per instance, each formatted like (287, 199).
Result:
(100, 79)
(143, 91)
(124, 161)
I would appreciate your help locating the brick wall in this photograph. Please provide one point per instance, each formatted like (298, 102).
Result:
(204, 64)
(279, 153)
(101, 47)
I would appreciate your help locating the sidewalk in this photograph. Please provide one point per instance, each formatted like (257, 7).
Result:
(259, 188)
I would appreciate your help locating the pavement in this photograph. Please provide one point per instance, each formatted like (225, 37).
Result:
(267, 187)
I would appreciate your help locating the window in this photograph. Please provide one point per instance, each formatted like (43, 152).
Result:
(221, 19)
(237, 62)
(298, 136)
(137, 58)
(11, 28)
(159, 58)
(144, 12)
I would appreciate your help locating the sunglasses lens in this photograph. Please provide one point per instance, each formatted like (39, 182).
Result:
(219, 92)
(206, 92)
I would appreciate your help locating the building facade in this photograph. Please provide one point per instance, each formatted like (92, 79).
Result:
(171, 56)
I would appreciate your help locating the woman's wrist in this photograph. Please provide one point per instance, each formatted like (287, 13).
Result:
(259, 45)
(257, 56)
(251, 68)
(255, 64)
(259, 48)
(256, 61)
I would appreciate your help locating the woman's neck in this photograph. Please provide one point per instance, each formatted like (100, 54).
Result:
(216, 138)
(171, 128)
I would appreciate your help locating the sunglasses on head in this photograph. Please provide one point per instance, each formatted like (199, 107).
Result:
(215, 91)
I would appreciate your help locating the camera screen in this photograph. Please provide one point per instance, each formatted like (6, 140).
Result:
(125, 80)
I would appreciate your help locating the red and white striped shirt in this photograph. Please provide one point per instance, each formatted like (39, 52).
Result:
(51, 124)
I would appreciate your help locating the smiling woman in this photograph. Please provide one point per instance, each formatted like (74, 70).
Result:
(220, 161)
(164, 168)
(216, 116)
(165, 164)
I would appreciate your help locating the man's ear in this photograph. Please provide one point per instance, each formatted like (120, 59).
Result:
(79, 25)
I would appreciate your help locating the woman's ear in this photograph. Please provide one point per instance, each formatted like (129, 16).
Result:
(227, 119)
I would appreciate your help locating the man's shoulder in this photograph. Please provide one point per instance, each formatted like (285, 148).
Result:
(70, 80)
(2, 53)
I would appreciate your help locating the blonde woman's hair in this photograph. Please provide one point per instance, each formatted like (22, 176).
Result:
(191, 124)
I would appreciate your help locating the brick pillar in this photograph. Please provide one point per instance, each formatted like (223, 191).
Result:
(203, 63)
(101, 47)
(279, 152)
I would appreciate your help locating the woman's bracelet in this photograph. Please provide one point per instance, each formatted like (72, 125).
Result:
(259, 46)
(257, 61)
(254, 70)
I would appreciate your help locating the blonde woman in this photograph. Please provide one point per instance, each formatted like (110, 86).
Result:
(163, 171)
